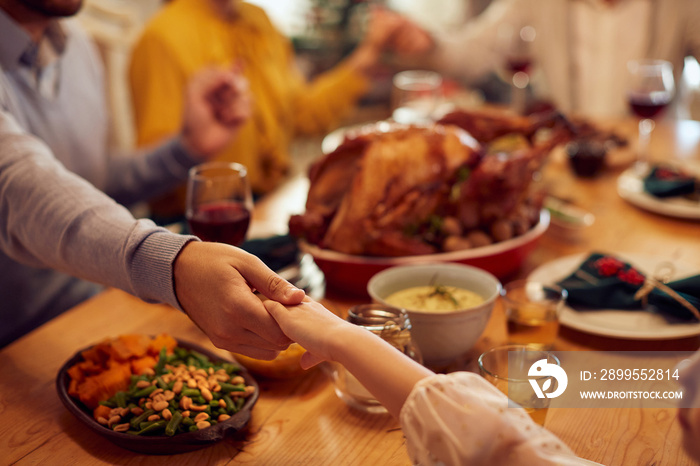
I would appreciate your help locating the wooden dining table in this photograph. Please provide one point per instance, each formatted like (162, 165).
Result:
(300, 420)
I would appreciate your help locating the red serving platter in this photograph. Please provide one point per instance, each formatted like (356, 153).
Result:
(349, 274)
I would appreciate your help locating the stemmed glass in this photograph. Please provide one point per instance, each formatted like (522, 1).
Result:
(518, 64)
(219, 202)
(650, 89)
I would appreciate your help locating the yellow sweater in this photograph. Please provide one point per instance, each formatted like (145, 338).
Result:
(187, 35)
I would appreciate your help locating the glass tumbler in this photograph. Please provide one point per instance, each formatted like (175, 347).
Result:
(415, 96)
(390, 324)
(508, 368)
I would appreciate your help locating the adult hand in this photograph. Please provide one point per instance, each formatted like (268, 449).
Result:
(411, 39)
(314, 327)
(388, 30)
(381, 26)
(217, 103)
(214, 284)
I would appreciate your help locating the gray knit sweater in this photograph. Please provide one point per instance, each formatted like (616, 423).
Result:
(56, 226)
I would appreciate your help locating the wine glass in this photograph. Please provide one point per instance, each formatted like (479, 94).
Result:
(415, 95)
(518, 63)
(219, 202)
(649, 91)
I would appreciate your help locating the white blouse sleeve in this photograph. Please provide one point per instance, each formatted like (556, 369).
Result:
(460, 418)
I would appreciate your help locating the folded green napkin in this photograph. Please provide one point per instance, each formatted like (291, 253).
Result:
(606, 282)
(668, 181)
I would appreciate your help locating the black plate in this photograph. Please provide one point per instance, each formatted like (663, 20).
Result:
(161, 444)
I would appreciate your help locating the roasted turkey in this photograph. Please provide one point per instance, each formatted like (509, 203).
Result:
(396, 190)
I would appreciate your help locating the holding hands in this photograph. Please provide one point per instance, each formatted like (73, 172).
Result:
(312, 326)
(385, 371)
(389, 31)
(217, 104)
(215, 286)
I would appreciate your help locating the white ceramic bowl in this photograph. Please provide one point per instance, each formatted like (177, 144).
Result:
(441, 337)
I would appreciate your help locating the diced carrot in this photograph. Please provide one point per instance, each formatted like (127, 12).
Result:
(107, 367)
(73, 388)
(139, 365)
(101, 411)
(160, 341)
(75, 373)
(102, 386)
(130, 346)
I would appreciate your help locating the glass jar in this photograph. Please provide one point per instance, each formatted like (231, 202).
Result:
(388, 323)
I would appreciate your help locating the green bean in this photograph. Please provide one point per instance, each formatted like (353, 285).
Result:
(227, 387)
(144, 392)
(239, 404)
(230, 406)
(135, 421)
(144, 424)
(120, 399)
(191, 392)
(173, 424)
(155, 427)
(187, 421)
(230, 368)
(193, 428)
(214, 403)
(201, 358)
(108, 403)
(159, 368)
(161, 383)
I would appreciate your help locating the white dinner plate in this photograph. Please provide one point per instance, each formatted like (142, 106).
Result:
(618, 323)
(336, 138)
(630, 187)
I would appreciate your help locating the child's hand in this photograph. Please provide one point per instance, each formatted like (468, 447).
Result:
(312, 326)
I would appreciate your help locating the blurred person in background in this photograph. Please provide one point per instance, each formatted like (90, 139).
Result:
(580, 50)
(52, 86)
(187, 35)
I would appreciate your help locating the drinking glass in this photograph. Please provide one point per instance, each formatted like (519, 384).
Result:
(219, 202)
(507, 367)
(415, 95)
(532, 311)
(518, 63)
(649, 91)
(390, 324)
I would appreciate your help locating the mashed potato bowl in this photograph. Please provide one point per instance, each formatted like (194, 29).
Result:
(442, 336)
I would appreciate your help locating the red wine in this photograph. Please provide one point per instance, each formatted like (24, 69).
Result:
(516, 65)
(648, 105)
(221, 222)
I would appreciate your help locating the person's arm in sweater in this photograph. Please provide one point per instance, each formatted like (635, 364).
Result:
(52, 218)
